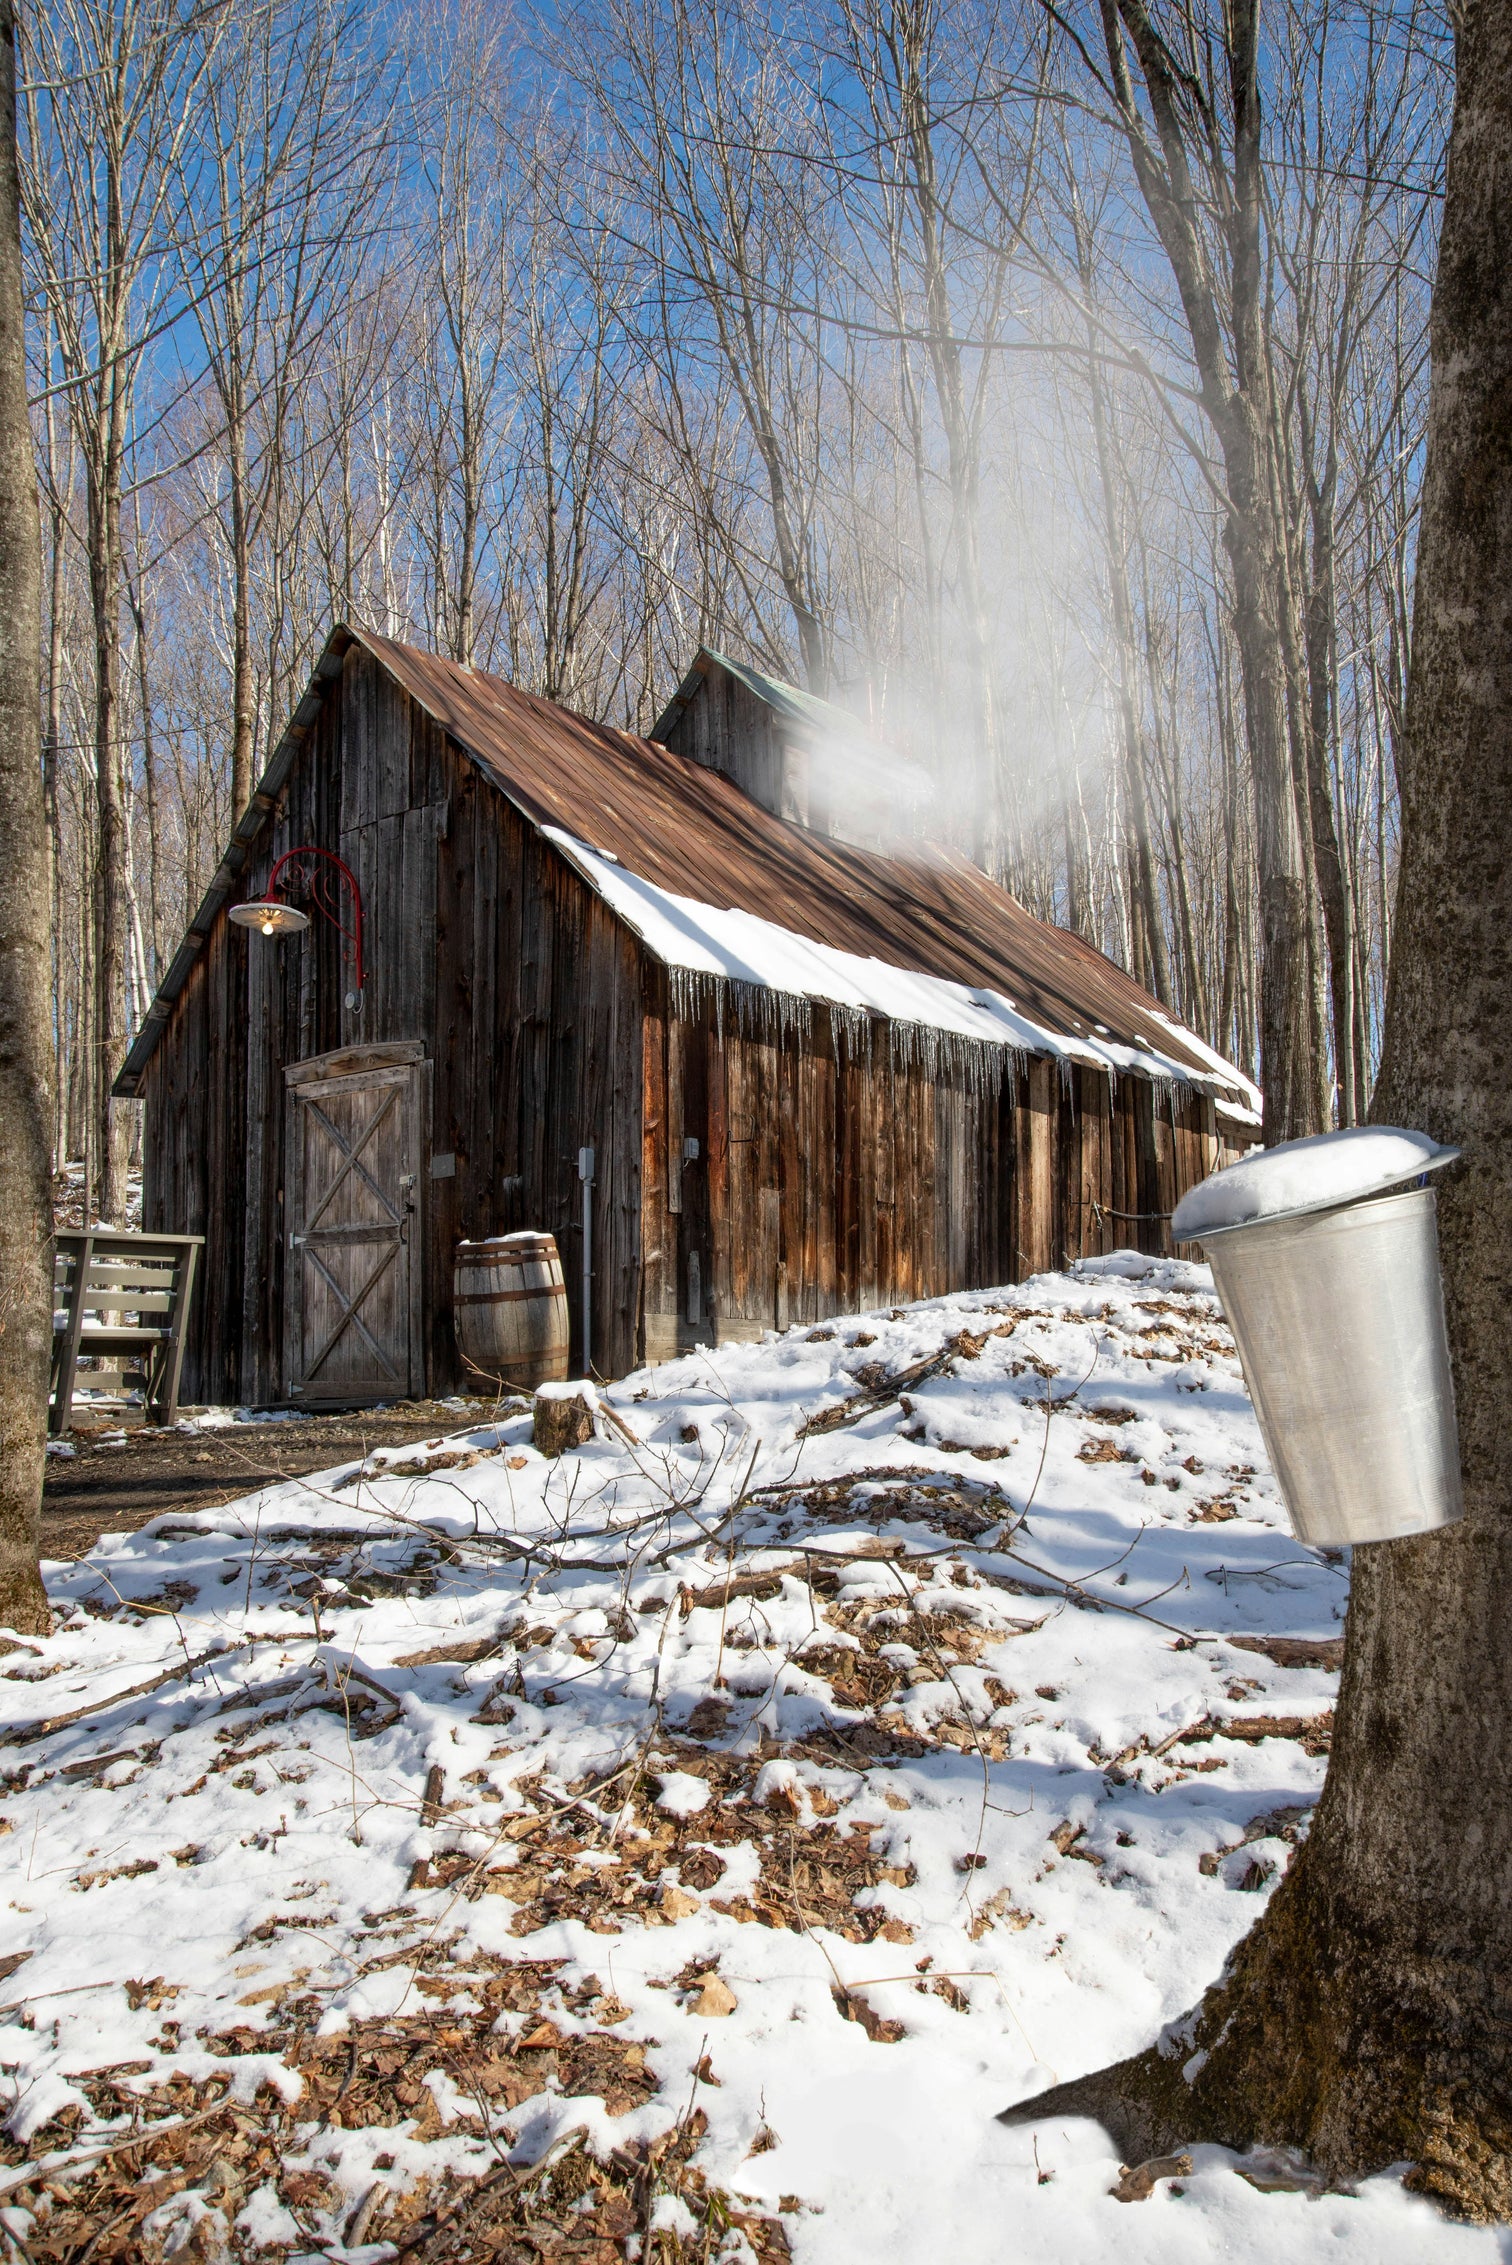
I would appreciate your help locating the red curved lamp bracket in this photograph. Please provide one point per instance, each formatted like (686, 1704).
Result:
(323, 891)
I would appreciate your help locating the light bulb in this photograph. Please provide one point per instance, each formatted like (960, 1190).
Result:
(267, 927)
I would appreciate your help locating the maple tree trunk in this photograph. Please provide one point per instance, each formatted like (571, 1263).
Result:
(1293, 1072)
(1364, 2020)
(26, 1070)
(243, 687)
(112, 1131)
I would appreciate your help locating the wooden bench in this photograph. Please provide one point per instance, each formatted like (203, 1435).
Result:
(120, 1301)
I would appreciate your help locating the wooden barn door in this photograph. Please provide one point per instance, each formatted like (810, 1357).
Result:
(356, 1123)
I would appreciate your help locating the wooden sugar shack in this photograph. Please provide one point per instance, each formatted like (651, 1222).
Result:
(812, 1077)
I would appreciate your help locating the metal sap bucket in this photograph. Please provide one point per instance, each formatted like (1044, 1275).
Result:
(1338, 1314)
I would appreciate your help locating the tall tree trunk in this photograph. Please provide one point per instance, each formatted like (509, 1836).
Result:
(1290, 1055)
(150, 784)
(243, 688)
(470, 474)
(110, 891)
(1365, 2018)
(1230, 349)
(1320, 616)
(910, 25)
(26, 1063)
(51, 747)
(1146, 921)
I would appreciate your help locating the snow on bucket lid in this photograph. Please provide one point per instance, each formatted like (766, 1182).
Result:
(1305, 1175)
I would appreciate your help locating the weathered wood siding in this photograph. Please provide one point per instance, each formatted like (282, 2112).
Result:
(481, 943)
(537, 1055)
(833, 1175)
(728, 728)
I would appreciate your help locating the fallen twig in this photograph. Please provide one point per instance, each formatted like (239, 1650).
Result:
(878, 1395)
(33, 1731)
(48, 2166)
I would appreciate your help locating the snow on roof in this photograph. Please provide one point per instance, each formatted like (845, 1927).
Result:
(924, 935)
(682, 932)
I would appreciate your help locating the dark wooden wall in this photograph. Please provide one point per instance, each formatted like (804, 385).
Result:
(833, 1175)
(482, 943)
(537, 1039)
(213, 1137)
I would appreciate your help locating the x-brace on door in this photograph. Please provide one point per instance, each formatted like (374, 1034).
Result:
(353, 1269)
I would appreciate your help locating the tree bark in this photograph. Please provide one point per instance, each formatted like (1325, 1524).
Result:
(1291, 1066)
(1320, 616)
(104, 546)
(908, 33)
(1155, 973)
(26, 1065)
(1229, 348)
(1364, 2020)
(243, 688)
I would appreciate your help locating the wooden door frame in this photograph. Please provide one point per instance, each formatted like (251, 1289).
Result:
(352, 1061)
(356, 1062)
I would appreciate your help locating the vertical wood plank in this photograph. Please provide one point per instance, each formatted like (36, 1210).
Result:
(657, 1330)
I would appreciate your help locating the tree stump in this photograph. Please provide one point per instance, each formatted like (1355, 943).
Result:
(563, 1417)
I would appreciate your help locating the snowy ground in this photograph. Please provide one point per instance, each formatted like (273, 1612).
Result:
(683, 1848)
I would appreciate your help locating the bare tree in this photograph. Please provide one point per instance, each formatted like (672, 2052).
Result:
(917, 64)
(710, 138)
(774, 332)
(26, 1066)
(466, 313)
(1364, 2019)
(276, 187)
(1149, 959)
(1188, 101)
(112, 90)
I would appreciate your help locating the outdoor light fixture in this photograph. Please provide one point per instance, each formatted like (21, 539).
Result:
(270, 918)
(273, 915)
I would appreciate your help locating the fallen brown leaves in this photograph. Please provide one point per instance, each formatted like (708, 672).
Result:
(576, 2207)
(853, 2005)
(192, 2139)
(1295, 1651)
(1137, 2182)
(1104, 1451)
(811, 1873)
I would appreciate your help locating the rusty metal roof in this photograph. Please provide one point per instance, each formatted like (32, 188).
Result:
(690, 830)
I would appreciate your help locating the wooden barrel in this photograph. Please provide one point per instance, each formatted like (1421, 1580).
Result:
(510, 1308)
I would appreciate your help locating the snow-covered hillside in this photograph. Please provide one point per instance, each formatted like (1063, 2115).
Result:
(683, 1848)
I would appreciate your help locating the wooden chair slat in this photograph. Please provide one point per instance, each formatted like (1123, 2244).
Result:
(127, 1301)
(100, 1276)
(95, 1340)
